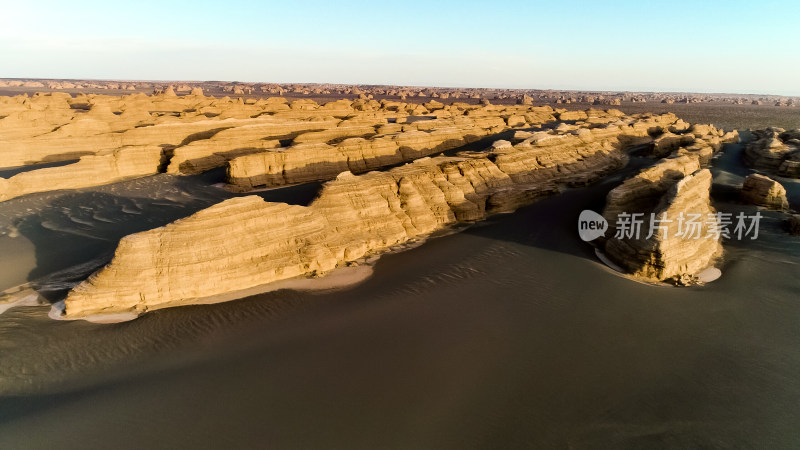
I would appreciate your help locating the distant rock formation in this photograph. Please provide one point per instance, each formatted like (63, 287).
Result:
(775, 150)
(498, 96)
(764, 191)
(246, 242)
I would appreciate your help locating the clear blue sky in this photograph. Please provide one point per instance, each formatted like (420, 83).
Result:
(712, 46)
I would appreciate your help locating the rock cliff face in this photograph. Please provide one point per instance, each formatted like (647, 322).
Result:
(321, 161)
(246, 242)
(764, 191)
(197, 133)
(92, 170)
(272, 142)
(676, 191)
(302, 163)
(775, 150)
(639, 194)
(700, 141)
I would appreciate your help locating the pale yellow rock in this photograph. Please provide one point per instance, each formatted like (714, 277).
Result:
(92, 170)
(331, 134)
(674, 189)
(764, 191)
(239, 137)
(637, 194)
(775, 150)
(302, 163)
(245, 242)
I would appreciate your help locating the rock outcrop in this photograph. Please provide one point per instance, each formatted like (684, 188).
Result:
(671, 199)
(199, 133)
(92, 170)
(310, 162)
(245, 242)
(764, 191)
(699, 140)
(302, 163)
(775, 150)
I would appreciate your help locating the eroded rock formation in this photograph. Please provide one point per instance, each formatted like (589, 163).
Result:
(102, 168)
(302, 163)
(775, 150)
(764, 191)
(675, 238)
(246, 242)
(310, 141)
(699, 140)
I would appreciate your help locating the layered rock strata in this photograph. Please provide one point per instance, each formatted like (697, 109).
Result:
(764, 191)
(56, 126)
(198, 133)
(775, 150)
(699, 140)
(246, 242)
(92, 170)
(671, 200)
(302, 163)
(314, 156)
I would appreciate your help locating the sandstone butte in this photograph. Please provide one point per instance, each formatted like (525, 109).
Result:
(115, 138)
(776, 151)
(673, 187)
(246, 242)
(764, 191)
(313, 159)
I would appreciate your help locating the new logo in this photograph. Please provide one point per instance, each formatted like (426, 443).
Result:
(591, 225)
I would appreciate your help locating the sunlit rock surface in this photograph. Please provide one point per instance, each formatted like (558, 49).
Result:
(246, 242)
(775, 150)
(764, 191)
(666, 196)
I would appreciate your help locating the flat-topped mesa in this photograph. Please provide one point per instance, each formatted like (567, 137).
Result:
(320, 161)
(303, 163)
(672, 190)
(92, 170)
(764, 191)
(244, 243)
(775, 150)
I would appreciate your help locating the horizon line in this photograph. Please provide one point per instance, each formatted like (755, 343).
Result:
(397, 86)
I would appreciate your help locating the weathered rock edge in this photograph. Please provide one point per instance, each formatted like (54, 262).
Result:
(246, 242)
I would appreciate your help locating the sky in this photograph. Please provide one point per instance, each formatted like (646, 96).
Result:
(680, 46)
